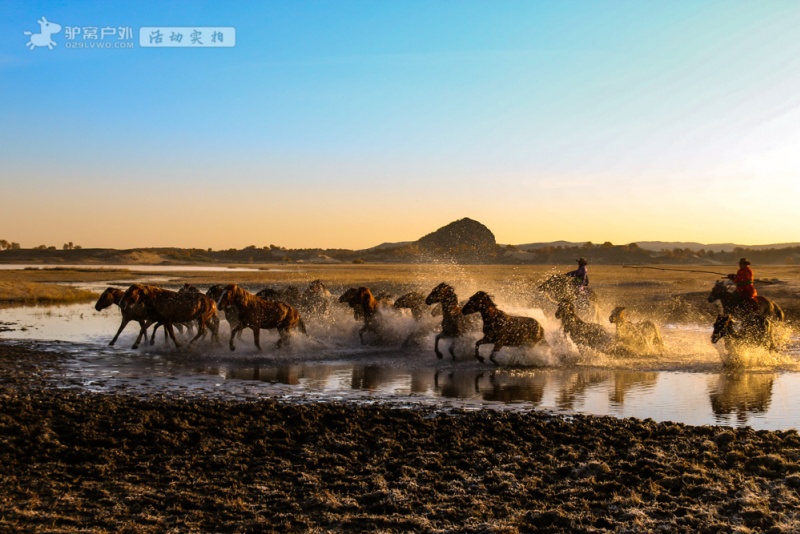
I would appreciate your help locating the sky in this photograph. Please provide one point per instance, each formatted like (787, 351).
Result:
(346, 124)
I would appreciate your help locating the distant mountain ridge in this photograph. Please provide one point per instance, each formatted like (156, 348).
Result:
(657, 246)
(463, 241)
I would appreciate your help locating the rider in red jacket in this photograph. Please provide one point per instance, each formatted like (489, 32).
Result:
(744, 279)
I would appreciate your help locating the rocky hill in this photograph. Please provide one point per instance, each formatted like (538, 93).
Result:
(464, 239)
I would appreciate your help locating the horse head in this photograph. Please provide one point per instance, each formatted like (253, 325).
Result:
(227, 296)
(478, 302)
(722, 327)
(317, 288)
(617, 315)
(440, 293)
(107, 298)
(349, 297)
(215, 292)
(48, 28)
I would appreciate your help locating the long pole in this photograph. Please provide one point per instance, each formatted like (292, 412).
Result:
(679, 270)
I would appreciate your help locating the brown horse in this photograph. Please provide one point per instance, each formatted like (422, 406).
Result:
(136, 313)
(733, 305)
(756, 331)
(500, 328)
(365, 306)
(231, 312)
(257, 313)
(172, 307)
(454, 324)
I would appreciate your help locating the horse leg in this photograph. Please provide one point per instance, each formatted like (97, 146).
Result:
(201, 330)
(495, 349)
(215, 329)
(236, 329)
(257, 337)
(283, 336)
(153, 335)
(436, 346)
(121, 328)
(361, 333)
(171, 332)
(142, 332)
(477, 349)
(451, 350)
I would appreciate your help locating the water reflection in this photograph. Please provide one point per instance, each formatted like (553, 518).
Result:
(457, 385)
(504, 387)
(625, 382)
(573, 388)
(741, 394)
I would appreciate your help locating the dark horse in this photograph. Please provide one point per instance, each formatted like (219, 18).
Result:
(732, 304)
(453, 321)
(560, 287)
(500, 328)
(755, 331)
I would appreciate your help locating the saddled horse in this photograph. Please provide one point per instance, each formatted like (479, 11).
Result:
(755, 331)
(732, 304)
(560, 287)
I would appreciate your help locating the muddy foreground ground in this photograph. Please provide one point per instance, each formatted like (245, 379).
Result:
(77, 462)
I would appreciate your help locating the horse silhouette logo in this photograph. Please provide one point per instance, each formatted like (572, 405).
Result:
(43, 37)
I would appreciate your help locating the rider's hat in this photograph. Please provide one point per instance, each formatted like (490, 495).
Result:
(745, 261)
(582, 261)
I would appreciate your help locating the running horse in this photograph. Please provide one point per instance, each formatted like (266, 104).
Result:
(756, 331)
(501, 329)
(561, 287)
(732, 304)
(454, 324)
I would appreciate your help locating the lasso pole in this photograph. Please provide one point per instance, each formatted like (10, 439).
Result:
(724, 275)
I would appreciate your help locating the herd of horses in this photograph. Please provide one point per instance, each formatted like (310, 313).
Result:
(286, 311)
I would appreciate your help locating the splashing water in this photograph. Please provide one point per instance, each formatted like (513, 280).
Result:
(684, 381)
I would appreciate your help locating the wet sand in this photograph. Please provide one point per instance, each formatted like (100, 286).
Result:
(76, 461)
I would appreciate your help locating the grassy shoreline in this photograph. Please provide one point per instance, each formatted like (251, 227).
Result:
(16, 292)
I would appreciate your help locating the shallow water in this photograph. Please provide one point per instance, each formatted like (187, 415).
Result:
(687, 383)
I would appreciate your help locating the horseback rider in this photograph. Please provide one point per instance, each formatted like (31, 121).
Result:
(745, 288)
(580, 276)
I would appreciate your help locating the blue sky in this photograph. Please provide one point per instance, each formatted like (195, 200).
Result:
(346, 124)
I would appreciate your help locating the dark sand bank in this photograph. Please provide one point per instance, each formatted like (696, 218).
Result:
(72, 461)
